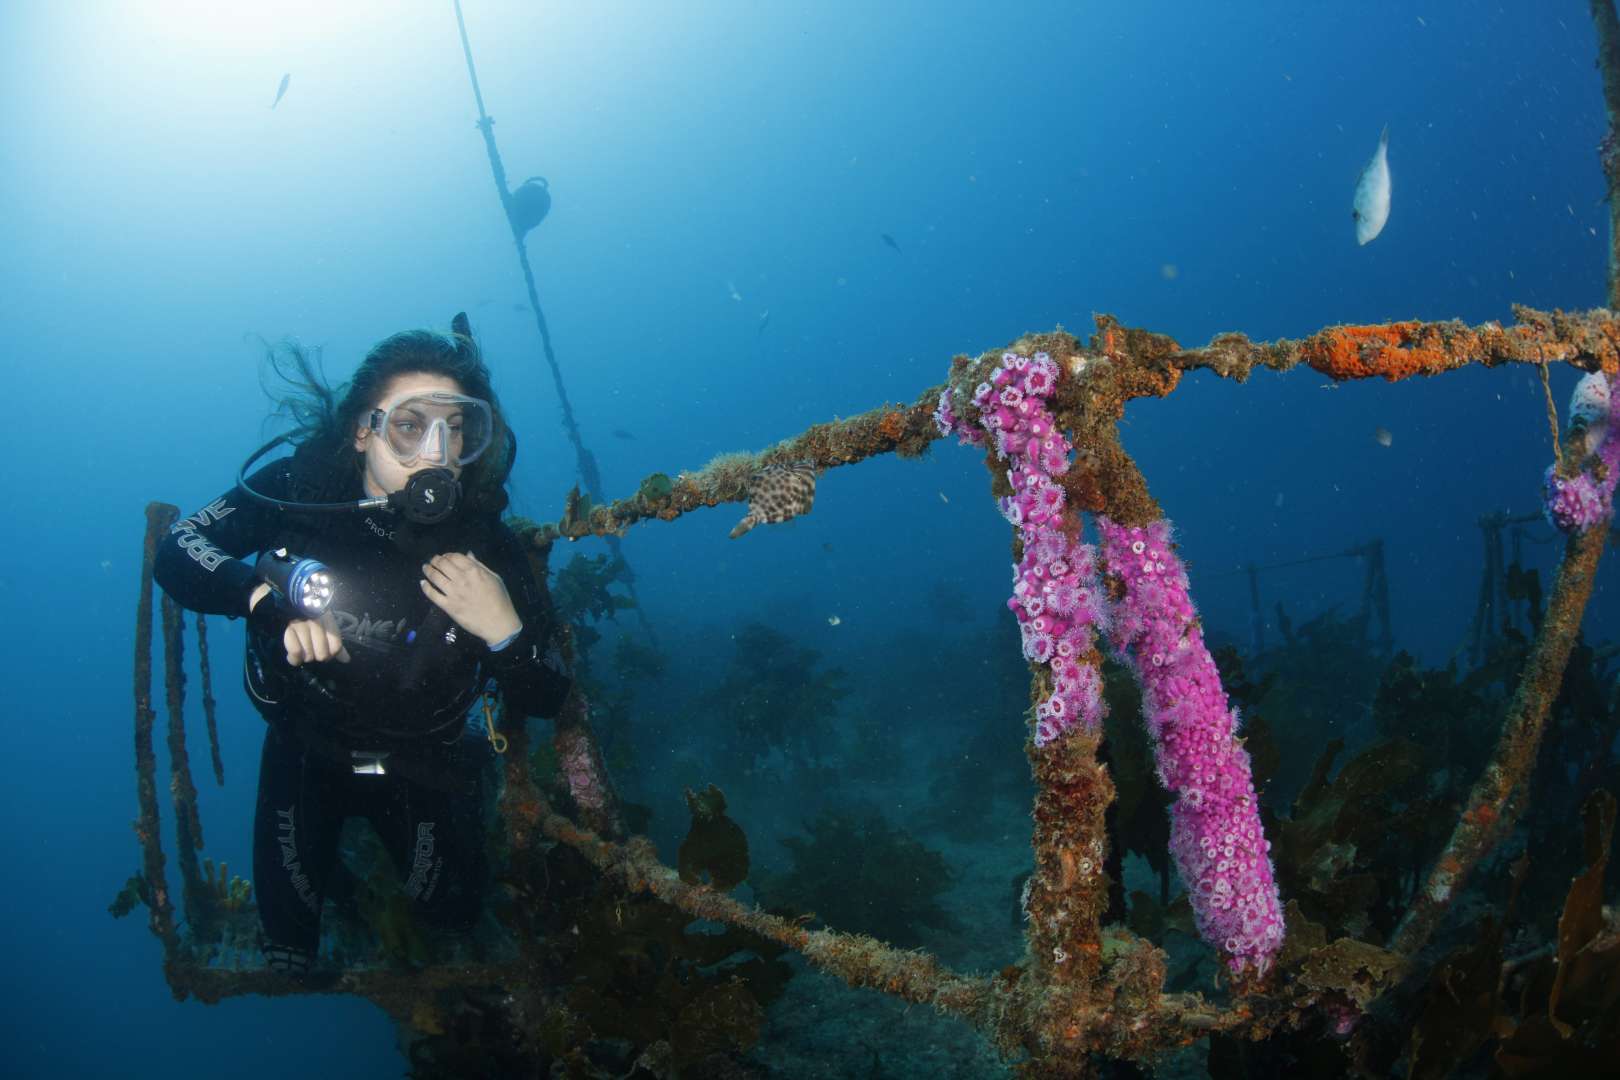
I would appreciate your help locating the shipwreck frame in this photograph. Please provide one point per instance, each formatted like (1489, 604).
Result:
(1106, 996)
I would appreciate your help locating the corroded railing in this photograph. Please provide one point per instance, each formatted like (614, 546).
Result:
(1111, 1000)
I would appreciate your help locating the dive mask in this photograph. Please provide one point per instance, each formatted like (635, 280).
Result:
(437, 428)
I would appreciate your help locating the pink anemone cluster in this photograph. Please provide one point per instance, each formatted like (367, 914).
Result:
(947, 421)
(1057, 595)
(1060, 603)
(1216, 838)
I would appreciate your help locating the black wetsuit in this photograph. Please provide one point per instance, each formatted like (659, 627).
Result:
(407, 691)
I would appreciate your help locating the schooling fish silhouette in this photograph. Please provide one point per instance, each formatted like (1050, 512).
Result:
(282, 89)
(887, 239)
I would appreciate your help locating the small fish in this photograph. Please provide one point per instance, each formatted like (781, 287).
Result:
(833, 620)
(1589, 403)
(943, 499)
(1589, 410)
(827, 547)
(887, 239)
(620, 433)
(106, 564)
(1331, 385)
(778, 493)
(764, 321)
(1371, 206)
(731, 287)
(282, 89)
(1382, 437)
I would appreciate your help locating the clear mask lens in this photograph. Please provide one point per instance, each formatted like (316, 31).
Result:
(435, 429)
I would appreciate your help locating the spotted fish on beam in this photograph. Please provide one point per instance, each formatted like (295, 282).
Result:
(778, 493)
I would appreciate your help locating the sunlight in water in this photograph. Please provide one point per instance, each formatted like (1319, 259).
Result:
(245, 30)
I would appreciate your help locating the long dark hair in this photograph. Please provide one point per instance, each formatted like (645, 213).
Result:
(324, 420)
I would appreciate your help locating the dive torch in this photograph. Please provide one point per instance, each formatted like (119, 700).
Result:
(303, 587)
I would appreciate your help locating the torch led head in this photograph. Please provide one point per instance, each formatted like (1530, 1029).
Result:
(305, 586)
(310, 588)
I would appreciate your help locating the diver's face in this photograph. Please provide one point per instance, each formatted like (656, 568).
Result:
(384, 474)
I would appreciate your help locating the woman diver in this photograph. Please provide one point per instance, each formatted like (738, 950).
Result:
(386, 597)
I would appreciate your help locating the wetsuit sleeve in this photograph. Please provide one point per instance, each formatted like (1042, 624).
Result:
(529, 669)
(199, 563)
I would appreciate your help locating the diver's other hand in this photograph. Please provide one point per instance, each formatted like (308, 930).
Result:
(314, 640)
(472, 594)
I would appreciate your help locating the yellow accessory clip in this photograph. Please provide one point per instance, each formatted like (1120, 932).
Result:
(496, 739)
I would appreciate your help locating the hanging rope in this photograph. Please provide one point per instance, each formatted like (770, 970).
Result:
(589, 474)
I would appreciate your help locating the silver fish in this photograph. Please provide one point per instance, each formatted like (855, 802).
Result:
(282, 89)
(1590, 409)
(1371, 207)
(778, 493)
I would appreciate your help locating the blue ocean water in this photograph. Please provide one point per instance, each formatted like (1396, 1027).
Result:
(1185, 168)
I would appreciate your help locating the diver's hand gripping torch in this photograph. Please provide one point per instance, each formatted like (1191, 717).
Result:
(303, 587)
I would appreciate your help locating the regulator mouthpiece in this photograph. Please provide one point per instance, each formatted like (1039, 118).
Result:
(428, 497)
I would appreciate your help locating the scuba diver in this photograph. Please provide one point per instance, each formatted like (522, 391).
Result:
(387, 598)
